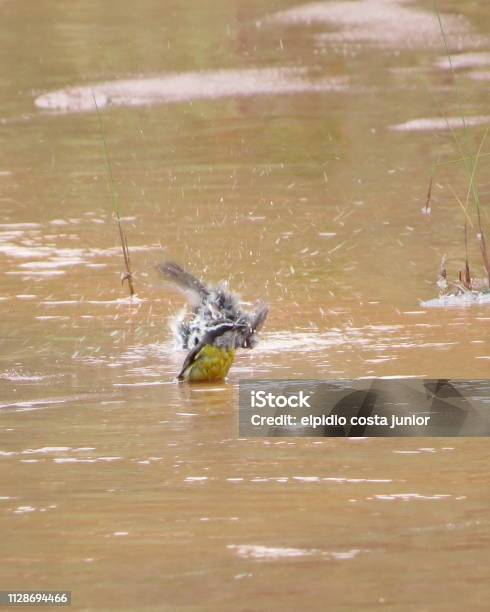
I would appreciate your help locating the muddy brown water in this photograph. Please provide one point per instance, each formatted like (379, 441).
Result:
(134, 492)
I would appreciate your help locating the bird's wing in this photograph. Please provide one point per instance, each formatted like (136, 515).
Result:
(208, 339)
(190, 359)
(259, 317)
(195, 290)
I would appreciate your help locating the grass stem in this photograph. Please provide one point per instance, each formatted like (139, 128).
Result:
(470, 164)
(128, 275)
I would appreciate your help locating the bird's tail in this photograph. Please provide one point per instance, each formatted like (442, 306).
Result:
(195, 290)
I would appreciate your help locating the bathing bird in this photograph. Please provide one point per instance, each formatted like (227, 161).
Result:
(216, 326)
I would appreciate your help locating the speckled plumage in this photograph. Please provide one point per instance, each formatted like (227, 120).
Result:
(217, 322)
(211, 306)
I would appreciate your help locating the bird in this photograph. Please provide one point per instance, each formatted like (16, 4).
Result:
(216, 327)
(213, 356)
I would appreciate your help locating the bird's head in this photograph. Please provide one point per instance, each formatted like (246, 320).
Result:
(223, 335)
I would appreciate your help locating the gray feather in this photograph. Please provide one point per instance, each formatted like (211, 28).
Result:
(194, 289)
(212, 306)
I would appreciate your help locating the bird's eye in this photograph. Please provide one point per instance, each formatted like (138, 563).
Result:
(196, 341)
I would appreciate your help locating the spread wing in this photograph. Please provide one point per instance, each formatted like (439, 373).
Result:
(195, 290)
(259, 317)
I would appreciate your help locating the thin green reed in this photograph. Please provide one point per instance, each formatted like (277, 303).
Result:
(470, 162)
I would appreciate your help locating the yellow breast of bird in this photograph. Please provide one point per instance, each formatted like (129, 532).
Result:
(212, 363)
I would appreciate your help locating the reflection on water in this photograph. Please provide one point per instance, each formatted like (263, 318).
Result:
(462, 61)
(126, 487)
(431, 124)
(390, 23)
(186, 87)
(248, 551)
